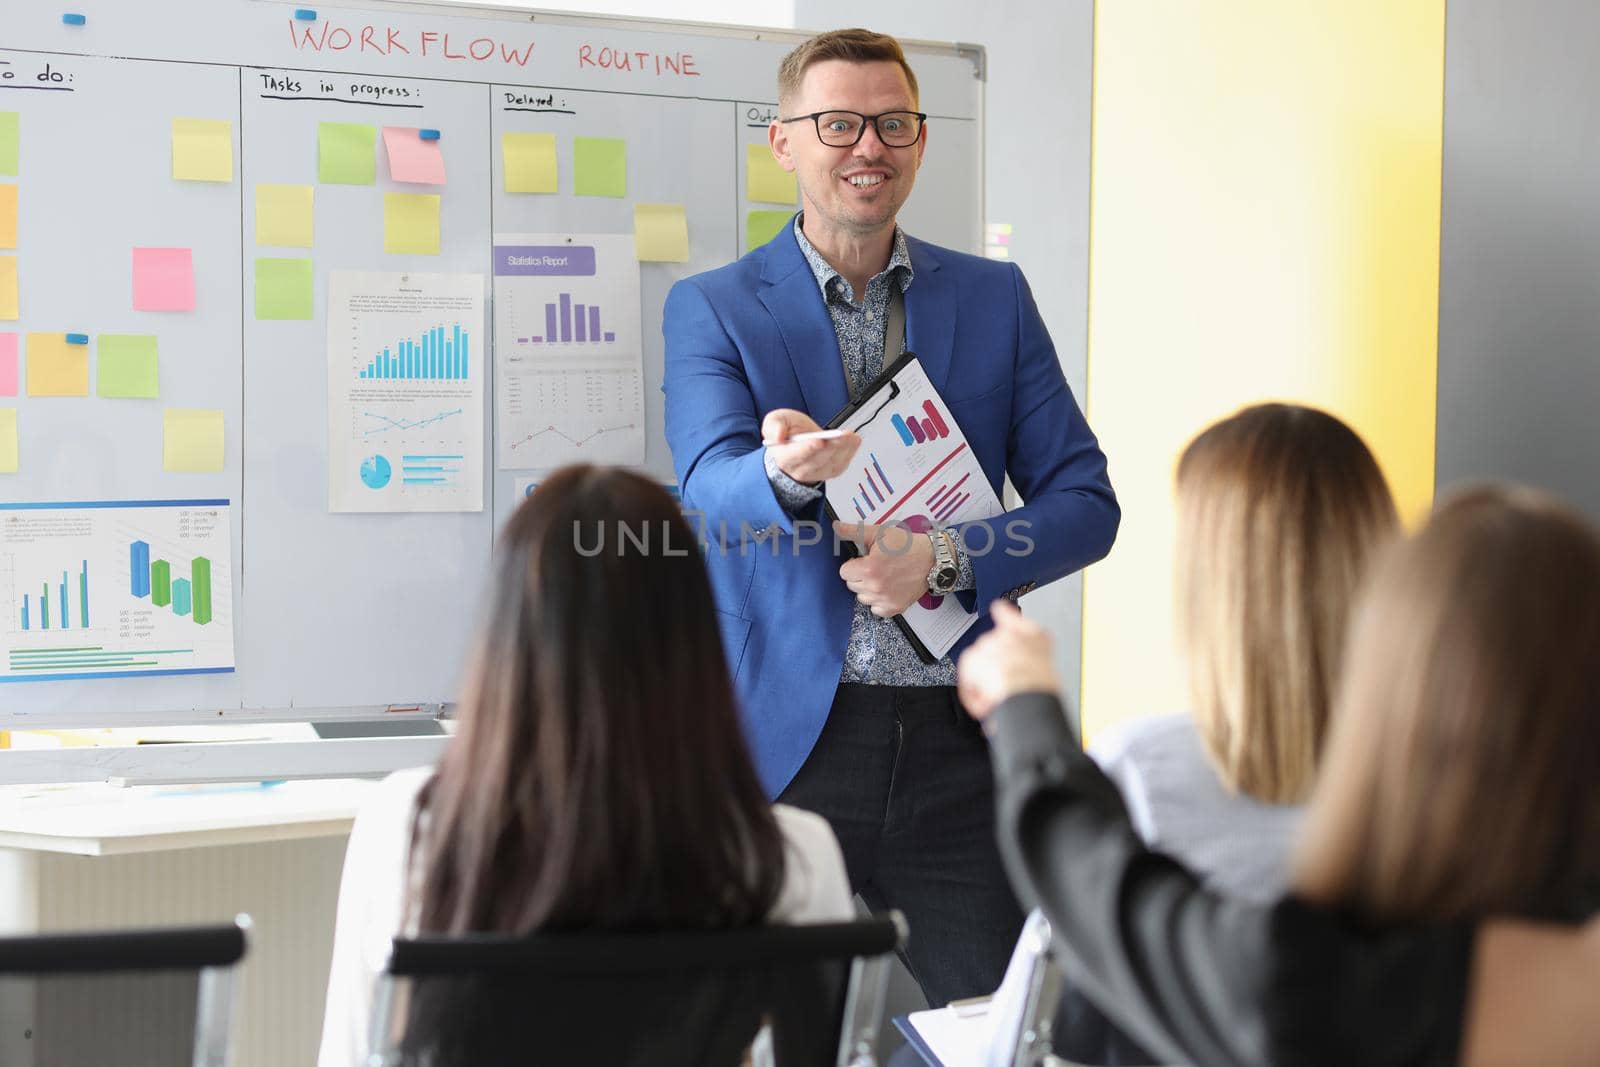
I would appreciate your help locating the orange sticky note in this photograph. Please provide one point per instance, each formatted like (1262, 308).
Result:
(163, 279)
(8, 288)
(8, 216)
(56, 368)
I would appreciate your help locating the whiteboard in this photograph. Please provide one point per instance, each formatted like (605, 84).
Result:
(342, 614)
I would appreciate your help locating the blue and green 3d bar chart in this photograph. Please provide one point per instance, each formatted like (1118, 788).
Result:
(189, 596)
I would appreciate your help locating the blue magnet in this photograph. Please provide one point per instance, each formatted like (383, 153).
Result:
(305, 14)
(428, 135)
(71, 19)
(77, 338)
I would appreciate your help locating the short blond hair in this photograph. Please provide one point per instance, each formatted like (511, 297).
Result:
(1280, 508)
(852, 46)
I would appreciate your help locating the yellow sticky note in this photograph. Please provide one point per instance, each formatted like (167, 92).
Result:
(661, 233)
(8, 440)
(56, 368)
(530, 162)
(411, 223)
(8, 216)
(191, 439)
(202, 150)
(764, 180)
(8, 287)
(284, 215)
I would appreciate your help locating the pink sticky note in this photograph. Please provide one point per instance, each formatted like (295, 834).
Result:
(411, 159)
(8, 364)
(163, 279)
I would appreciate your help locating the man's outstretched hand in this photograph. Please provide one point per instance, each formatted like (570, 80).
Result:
(806, 461)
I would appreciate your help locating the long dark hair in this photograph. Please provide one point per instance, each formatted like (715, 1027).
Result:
(599, 778)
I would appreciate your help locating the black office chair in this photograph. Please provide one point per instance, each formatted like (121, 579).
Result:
(787, 995)
(135, 998)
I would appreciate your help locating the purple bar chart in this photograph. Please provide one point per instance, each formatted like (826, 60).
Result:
(569, 322)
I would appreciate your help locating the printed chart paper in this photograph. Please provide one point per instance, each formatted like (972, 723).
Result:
(568, 350)
(115, 589)
(405, 392)
(915, 468)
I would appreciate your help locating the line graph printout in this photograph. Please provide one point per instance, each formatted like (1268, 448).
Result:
(914, 467)
(568, 350)
(406, 380)
(115, 589)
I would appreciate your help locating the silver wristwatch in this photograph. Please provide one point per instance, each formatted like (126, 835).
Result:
(942, 578)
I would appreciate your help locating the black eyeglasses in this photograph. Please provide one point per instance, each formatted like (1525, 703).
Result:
(843, 129)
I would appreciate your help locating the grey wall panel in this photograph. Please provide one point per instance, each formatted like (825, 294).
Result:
(1519, 302)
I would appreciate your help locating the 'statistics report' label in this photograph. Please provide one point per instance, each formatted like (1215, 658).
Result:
(568, 350)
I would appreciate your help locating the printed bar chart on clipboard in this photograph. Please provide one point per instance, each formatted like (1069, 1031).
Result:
(915, 468)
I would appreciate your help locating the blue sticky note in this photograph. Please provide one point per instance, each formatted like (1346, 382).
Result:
(71, 19)
(77, 338)
(305, 14)
(428, 135)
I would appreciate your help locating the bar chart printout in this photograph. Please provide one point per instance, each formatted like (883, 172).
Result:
(914, 466)
(99, 589)
(406, 388)
(442, 353)
(568, 350)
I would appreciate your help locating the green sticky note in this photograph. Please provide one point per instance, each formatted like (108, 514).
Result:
(530, 162)
(762, 226)
(411, 223)
(764, 180)
(599, 166)
(283, 289)
(10, 142)
(347, 153)
(127, 366)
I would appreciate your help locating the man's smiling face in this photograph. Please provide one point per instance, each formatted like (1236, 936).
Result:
(860, 189)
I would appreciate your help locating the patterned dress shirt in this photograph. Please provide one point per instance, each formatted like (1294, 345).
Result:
(878, 653)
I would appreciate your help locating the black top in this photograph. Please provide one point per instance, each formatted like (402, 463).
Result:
(1192, 975)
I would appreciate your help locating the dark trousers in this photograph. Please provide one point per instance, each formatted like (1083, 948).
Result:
(902, 775)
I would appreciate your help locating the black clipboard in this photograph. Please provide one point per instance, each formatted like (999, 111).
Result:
(869, 396)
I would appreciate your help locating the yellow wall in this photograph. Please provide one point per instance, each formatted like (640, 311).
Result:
(1264, 225)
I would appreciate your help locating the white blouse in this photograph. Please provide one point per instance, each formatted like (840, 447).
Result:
(372, 899)
(1179, 806)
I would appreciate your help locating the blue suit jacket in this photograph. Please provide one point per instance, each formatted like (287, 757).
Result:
(754, 336)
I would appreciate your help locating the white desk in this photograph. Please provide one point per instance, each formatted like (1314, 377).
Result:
(97, 856)
(103, 820)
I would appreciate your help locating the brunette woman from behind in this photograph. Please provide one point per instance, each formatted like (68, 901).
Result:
(598, 780)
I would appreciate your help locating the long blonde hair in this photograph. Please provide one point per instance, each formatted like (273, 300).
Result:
(1280, 508)
(1462, 777)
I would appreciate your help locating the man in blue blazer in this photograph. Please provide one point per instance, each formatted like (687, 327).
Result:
(843, 717)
